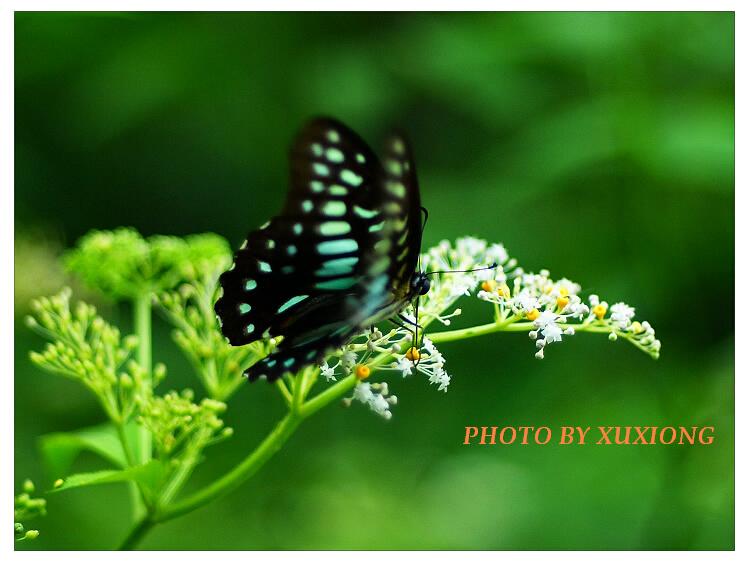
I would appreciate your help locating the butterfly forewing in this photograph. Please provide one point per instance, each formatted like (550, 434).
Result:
(304, 274)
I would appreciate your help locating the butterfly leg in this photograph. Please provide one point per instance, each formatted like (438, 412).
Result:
(409, 321)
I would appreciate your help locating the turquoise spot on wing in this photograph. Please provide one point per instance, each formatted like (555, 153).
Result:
(334, 208)
(249, 328)
(365, 213)
(320, 169)
(271, 363)
(287, 269)
(291, 250)
(297, 228)
(263, 266)
(290, 302)
(337, 190)
(393, 167)
(351, 178)
(333, 136)
(334, 228)
(288, 362)
(337, 246)
(312, 354)
(335, 267)
(316, 149)
(250, 284)
(360, 158)
(337, 284)
(396, 188)
(317, 186)
(334, 155)
(307, 206)
(377, 227)
(244, 308)
(270, 244)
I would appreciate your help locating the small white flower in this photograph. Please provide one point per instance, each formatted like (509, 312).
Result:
(349, 360)
(622, 314)
(405, 366)
(552, 333)
(328, 372)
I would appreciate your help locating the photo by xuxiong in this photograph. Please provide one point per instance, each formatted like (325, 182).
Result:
(273, 269)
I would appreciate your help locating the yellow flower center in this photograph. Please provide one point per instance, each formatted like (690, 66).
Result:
(599, 310)
(488, 285)
(562, 302)
(533, 314)
(362, 371)
(563, 291)
(503, 290)
(413, 354)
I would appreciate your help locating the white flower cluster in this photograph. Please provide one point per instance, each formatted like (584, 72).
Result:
(430, 362)
(555, 309)
(467, 253)
(548, 310)
(375, 396)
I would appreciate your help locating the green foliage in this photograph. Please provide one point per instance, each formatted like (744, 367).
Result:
(26, 508)
(149, 476)
(123, 264)
(60, 449)
(190, 310)
(182, 427)
(84, 347)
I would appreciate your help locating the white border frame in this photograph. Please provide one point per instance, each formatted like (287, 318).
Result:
(7, 232)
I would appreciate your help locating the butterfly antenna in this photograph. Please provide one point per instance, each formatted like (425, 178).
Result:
(493, 266)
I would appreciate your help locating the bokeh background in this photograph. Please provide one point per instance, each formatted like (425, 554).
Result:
(599, 146)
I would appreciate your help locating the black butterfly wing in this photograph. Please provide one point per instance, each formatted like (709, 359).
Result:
(304, 274)
(404, 201)
(388, 283)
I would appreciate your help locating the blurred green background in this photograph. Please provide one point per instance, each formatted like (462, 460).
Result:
(599, 146)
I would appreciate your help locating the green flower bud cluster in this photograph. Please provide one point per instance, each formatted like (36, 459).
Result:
(123, 264)
(84, 347)
(26, 508)
(181, 427)
(219, 366)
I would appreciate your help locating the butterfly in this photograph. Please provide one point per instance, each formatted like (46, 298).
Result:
(341, 256)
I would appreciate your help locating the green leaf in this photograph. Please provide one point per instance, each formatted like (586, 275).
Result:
(60, 449)
(149, 475)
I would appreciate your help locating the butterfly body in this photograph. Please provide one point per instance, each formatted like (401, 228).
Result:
(341, 256)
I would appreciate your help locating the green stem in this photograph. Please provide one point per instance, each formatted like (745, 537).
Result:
(137, 533)
(240, 473)
(142, 323)
(334, 392)
(456, 334)
(142, 320)
(511, 325)
(267, 448)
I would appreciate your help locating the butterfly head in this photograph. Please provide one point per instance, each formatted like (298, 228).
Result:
(420, 285)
